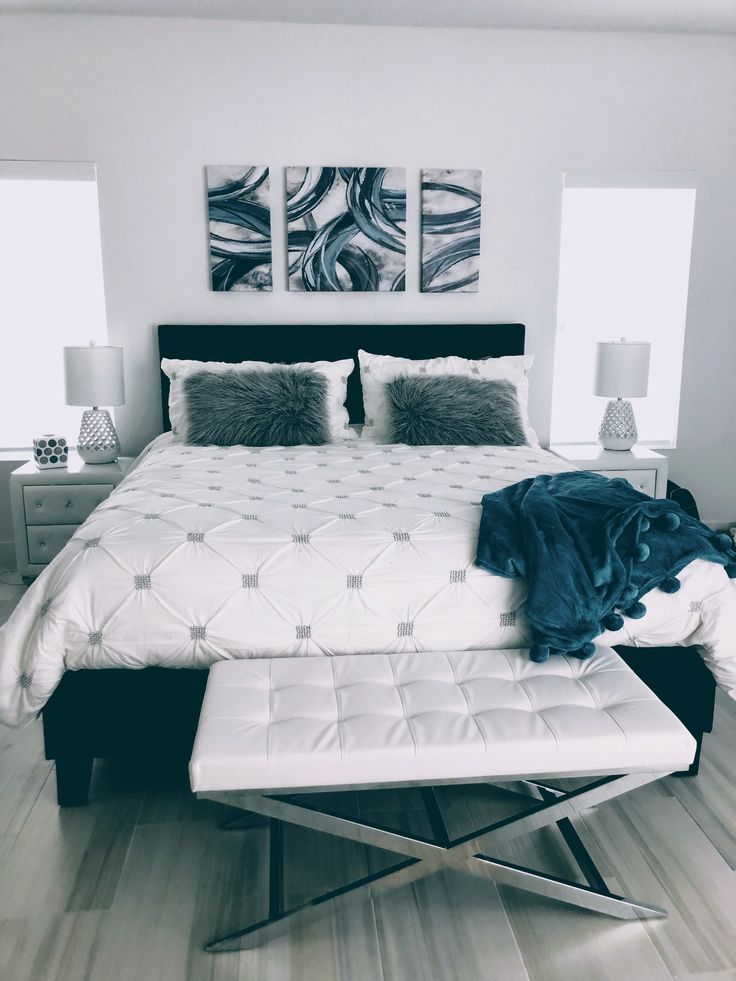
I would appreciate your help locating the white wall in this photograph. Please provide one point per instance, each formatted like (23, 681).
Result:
(153, 101)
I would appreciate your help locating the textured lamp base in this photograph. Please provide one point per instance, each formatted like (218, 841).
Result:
(98, 442)
(618, 426)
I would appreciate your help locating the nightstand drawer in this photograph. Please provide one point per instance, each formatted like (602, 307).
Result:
(46, 541)
(62, 505)
(643, 480)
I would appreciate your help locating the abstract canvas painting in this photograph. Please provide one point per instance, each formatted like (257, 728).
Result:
(346, 228)
(239, 206)
(451, 201)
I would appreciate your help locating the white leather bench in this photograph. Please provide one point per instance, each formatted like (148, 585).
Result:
(274, 728)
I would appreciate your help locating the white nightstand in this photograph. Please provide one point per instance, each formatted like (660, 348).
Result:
(642, 467)
(49, 505)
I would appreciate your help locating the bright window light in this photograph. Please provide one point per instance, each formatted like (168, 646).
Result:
(624, 271)
(51, 292)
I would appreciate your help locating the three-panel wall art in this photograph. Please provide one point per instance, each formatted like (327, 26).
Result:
(345, 229)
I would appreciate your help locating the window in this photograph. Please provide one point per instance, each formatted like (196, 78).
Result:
(51, 292)
(624, 270)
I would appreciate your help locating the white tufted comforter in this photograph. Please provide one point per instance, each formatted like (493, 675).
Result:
(205, 553)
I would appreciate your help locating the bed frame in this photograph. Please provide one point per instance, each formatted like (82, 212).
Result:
(151, 714)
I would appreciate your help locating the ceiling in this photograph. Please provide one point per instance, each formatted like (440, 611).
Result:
(677, 16)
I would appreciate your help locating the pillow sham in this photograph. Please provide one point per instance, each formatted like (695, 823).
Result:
(445, 410)
(378, 369)
(283, 407)
(336, 374)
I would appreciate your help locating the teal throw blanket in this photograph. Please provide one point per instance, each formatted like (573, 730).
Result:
(588, 547)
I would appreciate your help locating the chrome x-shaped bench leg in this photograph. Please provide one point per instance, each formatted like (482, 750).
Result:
(423, 856)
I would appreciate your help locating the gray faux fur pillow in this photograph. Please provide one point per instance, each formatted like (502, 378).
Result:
(282, 407)
(444, 410)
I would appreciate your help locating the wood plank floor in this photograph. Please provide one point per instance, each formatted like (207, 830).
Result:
(129, 887)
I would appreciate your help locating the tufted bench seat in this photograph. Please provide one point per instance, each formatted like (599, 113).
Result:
(272, 728)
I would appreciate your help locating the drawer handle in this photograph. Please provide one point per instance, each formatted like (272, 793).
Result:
(42, 544)
(68, 504)
(38, 505)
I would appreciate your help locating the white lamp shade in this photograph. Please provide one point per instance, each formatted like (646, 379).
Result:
(94, 376)
(622, 369)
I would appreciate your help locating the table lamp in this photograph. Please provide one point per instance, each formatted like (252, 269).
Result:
(622, 372)
(94, 376)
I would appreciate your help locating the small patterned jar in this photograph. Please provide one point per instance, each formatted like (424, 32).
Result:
(50, 451)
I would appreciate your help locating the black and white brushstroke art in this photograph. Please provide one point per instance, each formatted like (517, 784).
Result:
(346, 228)
(238, 200)
(451, 201)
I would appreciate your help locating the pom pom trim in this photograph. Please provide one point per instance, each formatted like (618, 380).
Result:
(723, 541)
(613, 621)
(636, 612)
(641, 552)
(670, 585)
(627, 596)
(586, 651)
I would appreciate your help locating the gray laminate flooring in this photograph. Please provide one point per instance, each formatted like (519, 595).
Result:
(129, 887)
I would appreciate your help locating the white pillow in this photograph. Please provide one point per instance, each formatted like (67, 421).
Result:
(336, 373)
(378, 369)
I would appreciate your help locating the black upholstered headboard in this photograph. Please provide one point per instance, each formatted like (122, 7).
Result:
(331, 342)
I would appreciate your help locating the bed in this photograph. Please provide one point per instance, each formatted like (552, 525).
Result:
(206, 553)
